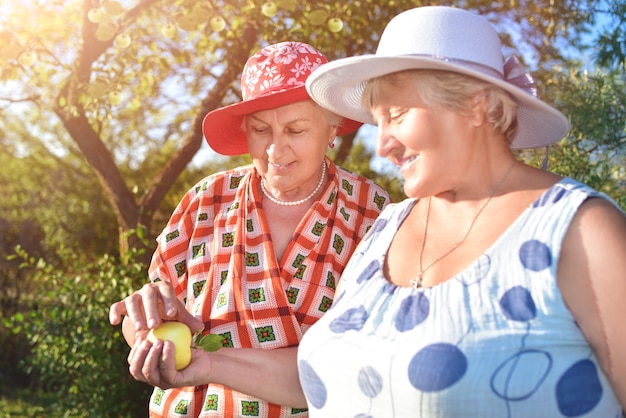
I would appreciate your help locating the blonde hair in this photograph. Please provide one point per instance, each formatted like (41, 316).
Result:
(452, 91)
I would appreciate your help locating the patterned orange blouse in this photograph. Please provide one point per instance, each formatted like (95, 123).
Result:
(217, 252)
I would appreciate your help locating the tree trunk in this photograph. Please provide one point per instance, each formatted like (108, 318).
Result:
(344, 148)
(134, 217)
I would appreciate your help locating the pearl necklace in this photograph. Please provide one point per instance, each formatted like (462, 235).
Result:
(296, 202)
(417, 282)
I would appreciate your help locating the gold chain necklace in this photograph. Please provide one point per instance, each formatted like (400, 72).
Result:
(417, 282)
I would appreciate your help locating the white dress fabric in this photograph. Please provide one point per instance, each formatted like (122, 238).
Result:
(496, 340)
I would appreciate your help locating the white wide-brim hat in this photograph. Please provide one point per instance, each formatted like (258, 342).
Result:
(439, 38)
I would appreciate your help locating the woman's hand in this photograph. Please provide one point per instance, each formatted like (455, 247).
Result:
(276, 377)
(154, 363)
(147, 308)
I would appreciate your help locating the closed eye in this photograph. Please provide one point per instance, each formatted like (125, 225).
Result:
(396, 117)
(260, 131)
(384, 116)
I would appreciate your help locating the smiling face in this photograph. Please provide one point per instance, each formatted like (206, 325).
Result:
(427, 143)
(287, 145)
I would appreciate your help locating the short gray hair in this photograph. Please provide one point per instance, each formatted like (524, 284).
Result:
(452, 91)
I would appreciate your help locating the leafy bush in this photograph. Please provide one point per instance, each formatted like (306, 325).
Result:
(75, 352)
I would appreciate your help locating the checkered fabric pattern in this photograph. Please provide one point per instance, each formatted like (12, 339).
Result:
(217, 252)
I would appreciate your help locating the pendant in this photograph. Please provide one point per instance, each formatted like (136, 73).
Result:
(417, 282)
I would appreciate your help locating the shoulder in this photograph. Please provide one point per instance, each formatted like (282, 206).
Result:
(231, 179)
(353, 186)
(596, 214)
(216, 189)
(221, 184)
(350, 176)
(598, 225)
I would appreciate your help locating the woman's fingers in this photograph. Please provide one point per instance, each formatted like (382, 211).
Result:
(147, 307)
(137, 359)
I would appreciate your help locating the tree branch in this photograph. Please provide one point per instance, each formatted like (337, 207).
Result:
(164, 180)
(99, 157)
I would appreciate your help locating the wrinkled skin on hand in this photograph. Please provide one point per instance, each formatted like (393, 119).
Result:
(154, 363)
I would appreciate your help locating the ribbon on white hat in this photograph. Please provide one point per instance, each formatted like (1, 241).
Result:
(514, 71)
(515, 74)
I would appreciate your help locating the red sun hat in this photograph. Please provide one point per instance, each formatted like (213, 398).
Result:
(275, 76)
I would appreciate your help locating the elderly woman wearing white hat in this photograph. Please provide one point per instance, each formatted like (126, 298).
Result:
(496, 289)
(253, 254)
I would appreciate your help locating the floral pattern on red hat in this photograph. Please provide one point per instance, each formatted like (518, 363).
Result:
(279, 67)
(274, 76)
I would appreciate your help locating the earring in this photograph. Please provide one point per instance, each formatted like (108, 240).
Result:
(331, 145)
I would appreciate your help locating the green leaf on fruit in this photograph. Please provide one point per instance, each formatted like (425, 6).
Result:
(210, 342)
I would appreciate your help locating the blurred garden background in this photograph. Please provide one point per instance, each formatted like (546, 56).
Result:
(101, 103)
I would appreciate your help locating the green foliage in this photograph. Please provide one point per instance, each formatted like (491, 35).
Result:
(23, 403)
(15, 289)
(611, 44)
(51, 202)
(595, 150)
(74, 351)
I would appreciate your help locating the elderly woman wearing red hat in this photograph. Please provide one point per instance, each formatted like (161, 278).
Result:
(252, 254)
(496, 289)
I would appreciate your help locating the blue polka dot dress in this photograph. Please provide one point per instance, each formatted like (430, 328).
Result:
(494, 341)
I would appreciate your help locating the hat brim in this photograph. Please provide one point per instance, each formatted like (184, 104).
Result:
(338, 86)
(222, 128)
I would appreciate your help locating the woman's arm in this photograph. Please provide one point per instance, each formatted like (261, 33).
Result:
(592, 280)
(267, 374)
